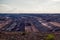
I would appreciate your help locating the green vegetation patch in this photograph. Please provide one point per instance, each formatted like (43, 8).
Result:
(50, 37)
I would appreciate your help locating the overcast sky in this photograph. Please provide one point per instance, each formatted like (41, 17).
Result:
(30, 6)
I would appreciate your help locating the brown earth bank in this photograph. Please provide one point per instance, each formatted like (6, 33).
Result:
(27, 36)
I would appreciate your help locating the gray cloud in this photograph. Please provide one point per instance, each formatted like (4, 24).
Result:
(30, 6)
